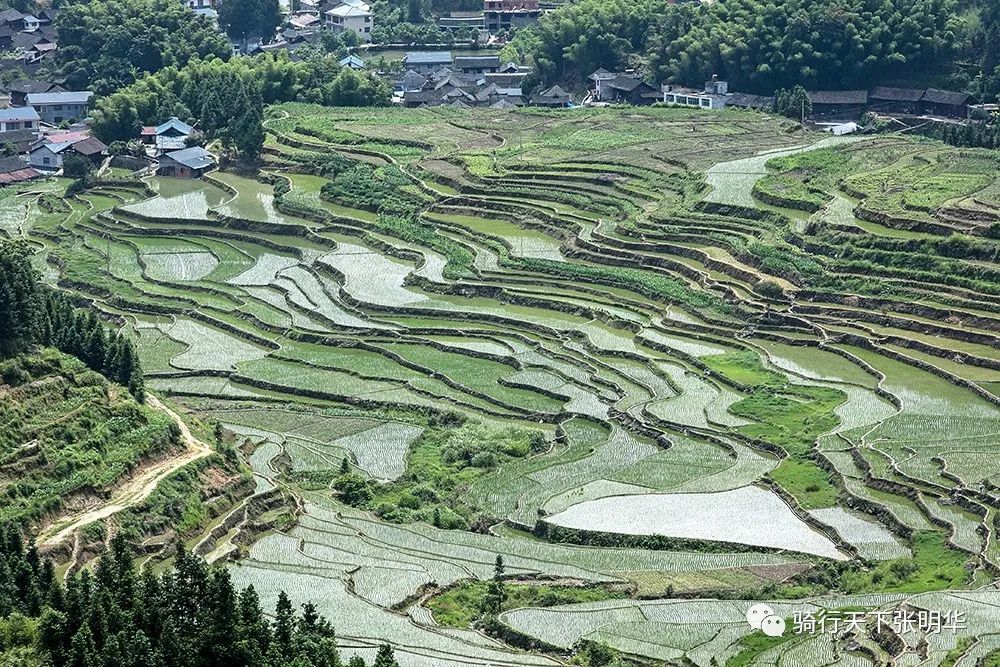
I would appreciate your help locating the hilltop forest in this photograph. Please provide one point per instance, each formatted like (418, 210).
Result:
(763, 45)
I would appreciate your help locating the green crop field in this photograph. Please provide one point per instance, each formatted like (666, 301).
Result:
(639, 353)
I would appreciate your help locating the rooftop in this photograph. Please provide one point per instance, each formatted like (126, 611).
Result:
(13, 170)
(175, 125)
(195, 157)
(853, 97)
(90, 146)
(896, 94)
(477, 61)
(937, 96)
(19, 114)
(64, 97)
(348, 10)
(427, 57)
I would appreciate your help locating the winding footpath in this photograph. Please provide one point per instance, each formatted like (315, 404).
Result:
(133, 491)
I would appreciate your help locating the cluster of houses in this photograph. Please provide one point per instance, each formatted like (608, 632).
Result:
(29, 40)
(168, 142)
(304, 25)
(435, 78)
(37, 131)
(34, 150)
(40, 125)
(629, 87)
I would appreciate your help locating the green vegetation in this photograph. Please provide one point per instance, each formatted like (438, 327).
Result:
(935, 566)
(756, 643)
(227, 96)
(757, 45)
(98, 41)
(191, 616)
(33, 314)
(64, 429)
(429, 331)
(441, 466)
(789, 416)
(462, 605)
(955, 654)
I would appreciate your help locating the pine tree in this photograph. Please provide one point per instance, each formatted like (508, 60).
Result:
(21, 303)
(496, 590)
(82, 652)
(284, 623)
(385, 657)
(221, 623)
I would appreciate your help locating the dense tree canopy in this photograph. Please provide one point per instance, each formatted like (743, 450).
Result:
(20, 301)
(225, 98)
(107, 44)
(31, 313)
(758, 45)
(116, 616)
(246, 20)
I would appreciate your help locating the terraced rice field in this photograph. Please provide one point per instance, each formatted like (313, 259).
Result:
(654, 349)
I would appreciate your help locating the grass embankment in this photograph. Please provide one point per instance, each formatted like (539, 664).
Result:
(66, 429)
(756, 643)
(789, 416)
(441, 466)
(461, 605)
(935, 566)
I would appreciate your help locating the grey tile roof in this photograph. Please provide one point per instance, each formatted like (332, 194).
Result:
(948, 97)
(195, 157)
(748, 101)
(19, 114)
(64, 97)
(427, 57)
(850, 97)
(477, 61)
(896, 94)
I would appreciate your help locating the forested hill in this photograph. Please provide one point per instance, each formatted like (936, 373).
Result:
(116, 616)
(763, 45)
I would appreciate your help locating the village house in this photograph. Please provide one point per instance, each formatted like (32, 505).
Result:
(426, 62)
(459, 20)
(631, 89)
(750, 101)
(351, 15)
(18, 141)
(19, 118)
(839, 104)
(352, 61)
(554, 97)
(49, 155)
(20, 89)
(14, 170)
(446, 87)
(200, 4)
(916, 101)
(168, 136)
(507, 14)
(54, 108)
(191, 162)
(886, 99)
(689, 97)
(19, 21)
(475, 65)
(947, 103)
(304, 21)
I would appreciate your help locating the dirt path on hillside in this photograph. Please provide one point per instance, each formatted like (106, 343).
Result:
(136, 489)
